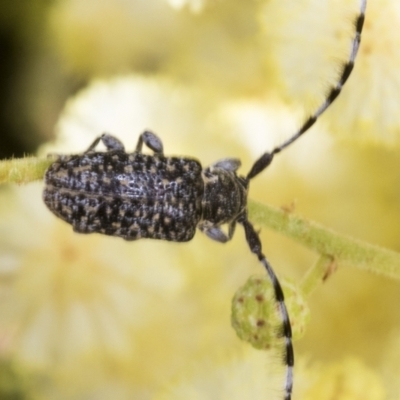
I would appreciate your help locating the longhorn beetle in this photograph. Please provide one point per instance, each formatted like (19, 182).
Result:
(134, 195)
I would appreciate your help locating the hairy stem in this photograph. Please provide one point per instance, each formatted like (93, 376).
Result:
(23, 170)
(336, 247)
(317, 274)
(343, 249)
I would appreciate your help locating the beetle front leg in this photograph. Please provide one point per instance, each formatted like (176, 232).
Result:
(151, 140)
(215, 232)
(111, 143)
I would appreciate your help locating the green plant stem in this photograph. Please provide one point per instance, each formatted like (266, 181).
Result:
(318, 273)
(341, 248)
(23, 170)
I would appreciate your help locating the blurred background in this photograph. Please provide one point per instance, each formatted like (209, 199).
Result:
(91, 317)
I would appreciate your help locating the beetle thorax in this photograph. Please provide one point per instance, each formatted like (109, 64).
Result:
(225, 195)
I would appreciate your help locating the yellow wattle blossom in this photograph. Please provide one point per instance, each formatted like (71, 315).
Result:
(235, 375)
(242, 376)
(74, 306)
(309, 42)
(346, 380)
(214, 45)
(126, 105)
(70, 296)
(96, 317)
(194, 5)
(103, 37)
(368, 110)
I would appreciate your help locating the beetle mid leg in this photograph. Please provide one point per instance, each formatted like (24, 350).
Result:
(151, 140)
(215, 232)
(229, 164)
(111, 143)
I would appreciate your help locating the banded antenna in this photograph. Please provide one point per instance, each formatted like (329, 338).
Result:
(334, 92)
(263, 162)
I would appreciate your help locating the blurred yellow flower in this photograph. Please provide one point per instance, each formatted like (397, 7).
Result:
(194, 5)
(248, 375)
(309, 40)
(216, 45)
(102, 318)
(74, 306)
(97, 37)
(346, 380)
(368, 109)
(71, 295)
(125, 106)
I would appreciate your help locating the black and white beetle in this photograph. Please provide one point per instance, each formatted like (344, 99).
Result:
(134, 195)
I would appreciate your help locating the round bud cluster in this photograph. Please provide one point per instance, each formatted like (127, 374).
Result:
(256, 315)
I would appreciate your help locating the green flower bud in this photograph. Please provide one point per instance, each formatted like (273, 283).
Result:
(256, 317)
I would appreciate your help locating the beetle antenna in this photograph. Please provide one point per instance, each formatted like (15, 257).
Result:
(347, 68)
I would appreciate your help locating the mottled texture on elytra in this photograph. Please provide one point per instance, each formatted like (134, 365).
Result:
(131, 195)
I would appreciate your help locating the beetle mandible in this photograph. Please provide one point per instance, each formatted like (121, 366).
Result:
(134, 195)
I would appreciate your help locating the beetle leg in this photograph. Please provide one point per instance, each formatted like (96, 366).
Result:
(215, 232)
(229, 164)
(111, 143)
(151, 140)
(231, 229)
